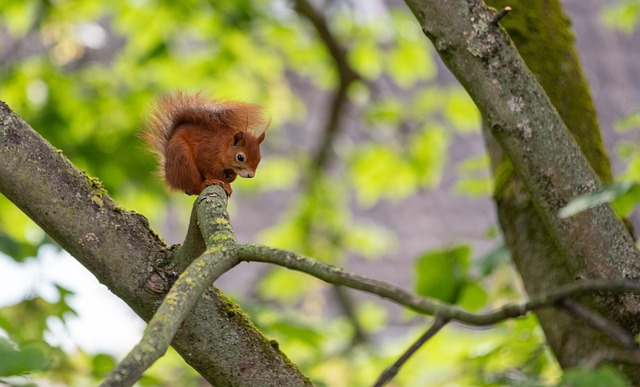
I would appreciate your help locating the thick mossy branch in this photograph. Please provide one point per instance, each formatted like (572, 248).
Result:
(176, 306)
(120, 249)
(192, 247)
(218, 258)
(209, 219)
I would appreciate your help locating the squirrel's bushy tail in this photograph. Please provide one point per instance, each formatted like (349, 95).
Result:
(171, 111)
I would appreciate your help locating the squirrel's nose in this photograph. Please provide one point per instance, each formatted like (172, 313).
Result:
(250, 175)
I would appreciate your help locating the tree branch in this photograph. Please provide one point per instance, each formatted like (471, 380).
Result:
(332, 126)
(119, 248)
(594, 244)
(199, 275)
(614, 355)
(426, 305)
(599, 322)
(346, 76)
(336, 50)
(499, 15)
(535, 254)
(223, 253)
(392, 371)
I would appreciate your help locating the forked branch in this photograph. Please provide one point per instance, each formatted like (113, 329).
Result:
(223, 253)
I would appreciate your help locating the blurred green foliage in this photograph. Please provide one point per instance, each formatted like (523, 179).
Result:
(624, 193)
(623, 15)
(602, 376)
(85, 73)
(623, 196)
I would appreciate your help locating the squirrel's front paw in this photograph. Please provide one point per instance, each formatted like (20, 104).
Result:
(226, 186)
(229, 175)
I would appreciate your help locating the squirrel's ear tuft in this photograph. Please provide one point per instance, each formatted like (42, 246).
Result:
(264, 132)
(239, 136)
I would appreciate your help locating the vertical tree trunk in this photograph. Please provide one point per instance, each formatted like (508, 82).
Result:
(550, 164)
(542, 34)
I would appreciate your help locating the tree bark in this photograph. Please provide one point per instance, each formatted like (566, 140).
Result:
(120, 249)
(550, 166)
(540, 27)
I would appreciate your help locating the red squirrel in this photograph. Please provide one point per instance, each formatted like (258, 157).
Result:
(201, 142)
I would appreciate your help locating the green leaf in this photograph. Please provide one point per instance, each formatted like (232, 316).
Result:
(474, 178)
(298, 331)
(493, 259)
(274, 173)
(367, 60)
(377, 171)
(602, 376)
(372, 316)
(27, 320)
(429, 154)
(19, 361)
(18, 250)
(473, 297)
(284, 285)
(630, 122)
(370, 240)
(409, 62)
(630, 154)
(603, 195)
(623, 15)
(442, 274)
(462, 113)
(430, 100)
(149, 380)
(101, 364)
(384, 112)
(628, 201)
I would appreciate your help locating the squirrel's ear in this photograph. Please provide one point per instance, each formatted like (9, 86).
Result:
(261, 137)
(239, 136)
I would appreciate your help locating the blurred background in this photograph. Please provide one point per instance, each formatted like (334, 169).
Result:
(374, 162)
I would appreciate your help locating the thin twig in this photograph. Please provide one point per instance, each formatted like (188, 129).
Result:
(336, 50)
(332, 126)
(498, 16)
(348, 308)
(426, 305)
(613, 355)
(392, 371)
(599, 322)
(346, 75)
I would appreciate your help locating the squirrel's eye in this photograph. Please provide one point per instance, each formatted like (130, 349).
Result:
(240, 157)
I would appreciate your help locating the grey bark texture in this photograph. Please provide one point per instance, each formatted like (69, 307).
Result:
(534, 252)
(551, 168)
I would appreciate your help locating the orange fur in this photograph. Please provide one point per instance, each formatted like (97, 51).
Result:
(200, 142)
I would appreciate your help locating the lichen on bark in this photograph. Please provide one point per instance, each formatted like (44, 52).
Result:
(542, 27)
(120, 249)
(549, 162)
